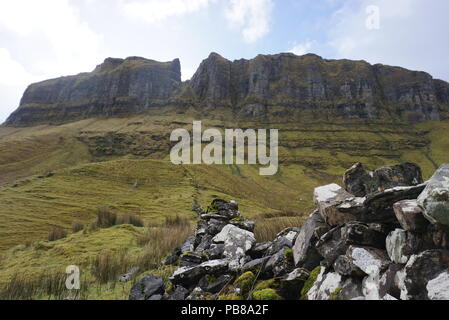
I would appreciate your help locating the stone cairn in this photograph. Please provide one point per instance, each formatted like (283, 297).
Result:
(383, 236)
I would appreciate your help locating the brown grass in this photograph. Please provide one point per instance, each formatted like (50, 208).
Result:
(130, 219)
(161, 241)
(267, 229)
(105, 218)
(77, 226)
(57, 233)
(109, 266)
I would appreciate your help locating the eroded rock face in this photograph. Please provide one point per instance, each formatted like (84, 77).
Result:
(116, 87)
(435, 198)
(282, 85)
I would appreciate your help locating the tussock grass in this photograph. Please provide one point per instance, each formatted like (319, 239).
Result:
(56, 233)
(267, 229)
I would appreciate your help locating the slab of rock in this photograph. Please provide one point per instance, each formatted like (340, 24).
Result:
(217, 285)
(180, 293)
(292, 283)
(396, 244)
(366, 258)
(188, 276)
(259, 250)
(438, 288)
(189, 244)
(336, 205)
(410, 216)
(146, 288)
(379, 206)
(419, 270)
(305, 255)
(435, 198)
(237, 242)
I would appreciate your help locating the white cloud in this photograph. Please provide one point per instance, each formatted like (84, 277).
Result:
(412, 34)
(302, 48)
(70, 45)
(157, 10)
(12, 72)
(254, 16)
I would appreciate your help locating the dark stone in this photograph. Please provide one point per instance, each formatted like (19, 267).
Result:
(410, 216)
(180, 293)
(359, 181)
(190, 259)
(147, 287)
(305, 254)
(259, 250)
(217, 285)
(188, 245)
(292, 283)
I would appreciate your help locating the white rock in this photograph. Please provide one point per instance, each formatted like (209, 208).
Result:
(366, 259)
(325, 286)
(396, 243)
(236, 241)
(438, 288)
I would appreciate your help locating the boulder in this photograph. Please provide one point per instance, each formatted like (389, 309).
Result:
(244, 224)
(146, 288)
(419, 270)
(358, 181)
(188, 245)
(410, 216)
(283, 240)
(438, 288)
(305, 254)
(337, 241)
(435, 198)
(279, 264)
(396, 243)
(256, 264)
(190, 259)
(366, 258)
(336, 205)
(217, 285)
(237, 242)
(402, 175)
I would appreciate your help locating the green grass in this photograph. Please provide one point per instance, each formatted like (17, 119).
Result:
(84, 179)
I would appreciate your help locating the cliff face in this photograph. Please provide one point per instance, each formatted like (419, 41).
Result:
(343, 88)
(117, 86)
(283, 85)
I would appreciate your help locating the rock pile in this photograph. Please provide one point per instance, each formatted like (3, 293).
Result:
(384, 235)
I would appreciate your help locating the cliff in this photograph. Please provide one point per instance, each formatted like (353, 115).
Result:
(117, 86)
(285, 86)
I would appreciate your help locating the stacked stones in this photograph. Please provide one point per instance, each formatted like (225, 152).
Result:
(385, 235)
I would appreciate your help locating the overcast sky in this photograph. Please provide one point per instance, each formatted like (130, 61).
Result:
(50, 38)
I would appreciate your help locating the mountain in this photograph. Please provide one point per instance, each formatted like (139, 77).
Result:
(275, 87)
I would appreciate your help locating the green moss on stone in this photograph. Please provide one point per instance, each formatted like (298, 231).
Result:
(245, 282)
(309, 282)
(266, 294)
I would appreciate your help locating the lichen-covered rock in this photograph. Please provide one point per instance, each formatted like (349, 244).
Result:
(325, 286)
(237, 242)
(336, 205)
(188, 276)
(438, 288)
(419, 270)
(410, 216)
(305, 254)
(435, 198)
(359, 181)
(396, 245)
(401, 175)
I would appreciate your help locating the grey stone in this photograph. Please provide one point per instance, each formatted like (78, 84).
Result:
(435, 198)
(396, 243)
(410, 216)
(237, 242)
(147, 287)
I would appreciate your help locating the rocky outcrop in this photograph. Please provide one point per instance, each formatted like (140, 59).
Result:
(350, 260)
(283, 86)
(115, 87)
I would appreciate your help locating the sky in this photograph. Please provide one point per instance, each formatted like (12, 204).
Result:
(45, 39)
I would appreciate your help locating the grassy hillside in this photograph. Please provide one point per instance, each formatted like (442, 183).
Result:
(51, 176)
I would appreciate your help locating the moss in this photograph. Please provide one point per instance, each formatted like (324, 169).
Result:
(232, 296)
(266, 294)
(309, 282)
(245, 282)
(169, 287)
(210, 279)
(266, 284)
(336, 293)
(288, 254)
(240, 219)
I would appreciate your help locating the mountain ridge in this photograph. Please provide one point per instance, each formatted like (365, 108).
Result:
(280, 86)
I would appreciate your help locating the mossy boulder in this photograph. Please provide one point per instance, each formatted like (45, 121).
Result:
(245, 282)
(266, 294)
(309, 282)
